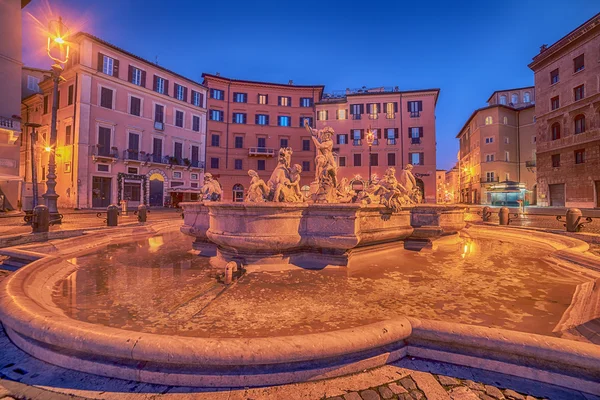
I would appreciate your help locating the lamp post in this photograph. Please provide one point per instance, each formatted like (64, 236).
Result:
(58, 51)
(34, 187)
(370, 139)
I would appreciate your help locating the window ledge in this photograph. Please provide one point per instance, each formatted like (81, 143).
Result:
(581, 70)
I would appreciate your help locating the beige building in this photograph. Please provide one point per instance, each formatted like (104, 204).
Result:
(440, 186)
(10, 101)
(497, 151)
(452, 185)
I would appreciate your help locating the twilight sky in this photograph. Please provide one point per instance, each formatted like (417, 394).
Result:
(468, 49)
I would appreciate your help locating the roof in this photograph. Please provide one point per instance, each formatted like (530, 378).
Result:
(207, 75)
(90, 36)
(487, 108)
(509, 90)
(576, 33)
(344, 98)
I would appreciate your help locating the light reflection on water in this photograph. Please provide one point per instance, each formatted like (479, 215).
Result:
(158, 285)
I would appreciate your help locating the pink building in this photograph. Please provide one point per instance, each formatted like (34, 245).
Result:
(404, 122)
(128, 129)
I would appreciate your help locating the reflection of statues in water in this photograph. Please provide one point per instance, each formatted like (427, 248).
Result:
(211, 188)
(324, 161)
(258, 190)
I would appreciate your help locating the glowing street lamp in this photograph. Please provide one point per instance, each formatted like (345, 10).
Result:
(370, 139)
(58, 51)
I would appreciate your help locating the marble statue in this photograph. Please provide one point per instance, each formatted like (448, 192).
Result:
(258, 191)
(325, 166)
(409, 182)
(211, 188)
(284, 184)
(344, 192)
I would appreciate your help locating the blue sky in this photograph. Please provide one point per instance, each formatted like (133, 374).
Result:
(468, 49)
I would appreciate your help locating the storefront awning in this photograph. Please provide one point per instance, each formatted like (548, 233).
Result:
(507, 187)
(181, 189)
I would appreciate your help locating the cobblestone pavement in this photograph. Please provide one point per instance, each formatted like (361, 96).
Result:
(538, 221)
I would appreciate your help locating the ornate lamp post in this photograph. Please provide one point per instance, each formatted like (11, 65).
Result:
(370, 139)
(33, 168)
(58, 51)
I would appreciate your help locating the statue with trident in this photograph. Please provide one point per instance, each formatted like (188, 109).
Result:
(325, 162)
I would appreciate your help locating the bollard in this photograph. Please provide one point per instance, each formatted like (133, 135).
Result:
(40, 220)
(124, 205)
(573, 217)
(503, 216)
(142, 213)
(112, 215)
(486, 214)
(230, 267)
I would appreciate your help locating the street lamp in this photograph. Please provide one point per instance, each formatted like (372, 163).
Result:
(370, 139)
(33, 168)
(58, 51)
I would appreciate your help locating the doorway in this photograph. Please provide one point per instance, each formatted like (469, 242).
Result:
(101, 192)
(597, 184)
(238, 193)
(157, 185)
(557, 195)
(421, 186)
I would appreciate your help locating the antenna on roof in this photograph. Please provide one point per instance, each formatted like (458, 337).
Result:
(156, 60)
(291, 82)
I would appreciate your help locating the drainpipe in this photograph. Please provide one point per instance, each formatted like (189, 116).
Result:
(401, 135)
(518, 148)
(73, 130)
(227, 129)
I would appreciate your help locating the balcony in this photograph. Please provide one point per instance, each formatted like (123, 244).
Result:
(390, 115)
(13, 126)
(103, 153)
(356, 142)
(374, 116)
(391, 142)
(261, 151)
(132, 155)
(489, 180)
(530, 164)
(356, 116)
(415, 114)
(415, 140)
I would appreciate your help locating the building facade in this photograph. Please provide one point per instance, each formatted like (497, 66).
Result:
(568, 118)
(440, 183)
(248, 122)
(10, 102)
(498, 151)
(404, 126)
(127, 129)
(452, 186)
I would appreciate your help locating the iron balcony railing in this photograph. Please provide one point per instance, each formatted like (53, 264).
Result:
(415, 140)
(390, 115)
(391, 141)
(356, 116)
(374, 116)
(356, 142)
(261, 151)
(530, 164)
(415, 114)
(103, 151)
(489, 180)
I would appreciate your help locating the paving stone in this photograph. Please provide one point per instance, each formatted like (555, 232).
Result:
(430, 386)
(417, 395)
(448, 381)
(369, 395)
(405, 396)
(513, 395)
(493, 392)
(474, 385)
(352, 396)
(462, 393)
(484, 396)
(408, 383)
(385, 392)
(397, 389)
(336, 398)
(530, 398)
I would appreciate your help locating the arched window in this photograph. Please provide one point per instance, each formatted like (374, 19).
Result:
(580, 123)
(238, 192)
(526, 98)
(489, 120)
(503, 99)
(514, 98)
(555, 131)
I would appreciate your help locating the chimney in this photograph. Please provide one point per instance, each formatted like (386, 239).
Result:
(218, 74)
(291, 82)
(543, 48)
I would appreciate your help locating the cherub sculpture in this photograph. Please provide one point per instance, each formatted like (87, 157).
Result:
(211, 189)
(258, 190)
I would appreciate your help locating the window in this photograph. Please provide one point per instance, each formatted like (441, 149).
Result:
(415, 134)
(261, 165)
(239, 118)
(526, 97)
(160, 85)
(67, 135)
(579, 92)
(239, 142)
(554, 77)
(506, 140)
(415, 108)
(237, 163)
(240, 97)
(133, 146)
(179, 118)
(416, 158)
(135, 106)
(554, 103)
(309, 120)
(101, 168)
(306, 102)
(33, 83)
(505, 120)
(178, 151)
(157, 150)
(305, 145)
(391, 134)
(195, 161)
(357, 135)
(70, 95)
(285, 101)
(238, 193)
(194, 177)
(263, 99)
(356, 110)
(215, 140)
(514, 98)
(106, 98)
(490, 176)
(261, 119)
(357, 160)
(322, 115)
(217, 94)
(283, 142)
(214, 163)
(555, 131)
(284, 120)
(104, 141)
(196, 123)
(579, 124)
(305, 166)
(489, 140)
(489, 157)
(197, 98)
(108, 65)
(45, 104)
(503, 99)
(373, 110)
(489, 120)
(579, 156)
(135, 75)
(341, 114)
(180, 92)
(578, 63)
(391, 159)
(507, 156)
(390, 110)
(342, 162)
(555, 160)
(374, 158)
(261, 142)
(159, 113)
(216, 115)
(342, 138)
